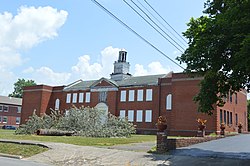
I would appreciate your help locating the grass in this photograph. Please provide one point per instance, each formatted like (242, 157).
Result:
(77, 140)
(20, 150)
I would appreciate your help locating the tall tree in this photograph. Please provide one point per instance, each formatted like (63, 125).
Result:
(18, 87)
(219, 50)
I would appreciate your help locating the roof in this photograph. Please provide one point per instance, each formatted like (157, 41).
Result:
(130, 81)
(10, 100)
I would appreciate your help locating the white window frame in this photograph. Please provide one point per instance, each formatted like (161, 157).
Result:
(140, 95)
(131, 95)
(74, 98)
(19, 120)
(0, 119)
(19, 110)
(6, 119)
(169, 102)
(139, 116)
(148, 116)
(81, 97)
(68, 98)
(123, 96)
(131, 115)
(149, 94)
(87, 98)
(1, 106)
(57, 104)
(122, 114)
(5, 106)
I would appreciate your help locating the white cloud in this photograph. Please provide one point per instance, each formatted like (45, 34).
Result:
(23, 31)
(152, 68)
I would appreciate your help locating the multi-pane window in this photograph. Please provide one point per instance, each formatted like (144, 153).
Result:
(230, 97)
(169, 102)
(57, 104)
(1, 108)
(123, 95)
(131, 95)
(225, 117)
(140, 95)
(231, 118)
(221, 116)
(139, 116)
(80, 100)
(19, 109)
(0, 119)
(68, 98)
(87, 100)
(236, 119)
(236, 98)
(148, 116)
(5, 119)
(122, 114)
(74, 98)
(5, 108)
(103, 96)
(149, 95)
(17, 120)
(130, 115)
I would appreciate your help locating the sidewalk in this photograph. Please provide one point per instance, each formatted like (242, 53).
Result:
(66, 154)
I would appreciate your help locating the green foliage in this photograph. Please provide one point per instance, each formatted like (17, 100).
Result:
(219, 46)
(18, 87)
(88, 122)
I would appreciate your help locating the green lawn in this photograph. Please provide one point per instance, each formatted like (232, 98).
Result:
(77, 140)
(20, 150)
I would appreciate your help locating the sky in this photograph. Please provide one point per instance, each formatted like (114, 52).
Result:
(56, 42)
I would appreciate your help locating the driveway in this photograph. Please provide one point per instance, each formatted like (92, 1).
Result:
(234, 147)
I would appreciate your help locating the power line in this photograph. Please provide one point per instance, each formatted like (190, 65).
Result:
(154, 24)
(165, 21)
(184, 44)
(138, 35)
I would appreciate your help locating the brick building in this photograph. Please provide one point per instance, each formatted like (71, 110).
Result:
(10, 111)
(142, 99)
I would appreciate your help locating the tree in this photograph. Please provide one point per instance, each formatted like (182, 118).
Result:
(18, 87)
(218, 49)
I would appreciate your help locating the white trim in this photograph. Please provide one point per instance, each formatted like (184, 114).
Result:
(103, 89)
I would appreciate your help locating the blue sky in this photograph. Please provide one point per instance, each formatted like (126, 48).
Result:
(58, 42)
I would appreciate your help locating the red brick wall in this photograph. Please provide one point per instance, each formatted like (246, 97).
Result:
(11, 115)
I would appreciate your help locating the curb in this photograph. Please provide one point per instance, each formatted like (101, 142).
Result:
(10, 156)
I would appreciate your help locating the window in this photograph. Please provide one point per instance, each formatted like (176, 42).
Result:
(87, 97)
(80, 97)
(236, 98)
(140, 95)
(17, 120)
(230, 97)
(139, 116)
(5, 119)
(5, 108)
(225, 117)
(123, 95)
(131, 95)
(19, 109)
(149, 95)
(169, 102)
(122, 114)
(221, 116)
(74, 98)
(102, 96)
(0, 119)
(236, 119)
(57, 104)
(1, 108)
(148, 117)
(68, 98)
(130, 115)
(231, 118)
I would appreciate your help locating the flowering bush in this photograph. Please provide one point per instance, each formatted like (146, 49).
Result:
(201, 121)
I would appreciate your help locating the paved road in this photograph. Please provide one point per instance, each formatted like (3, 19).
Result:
(235, 147)
(4, 161)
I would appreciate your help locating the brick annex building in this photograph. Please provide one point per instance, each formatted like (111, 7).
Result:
(142, 99)
(10, 111)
